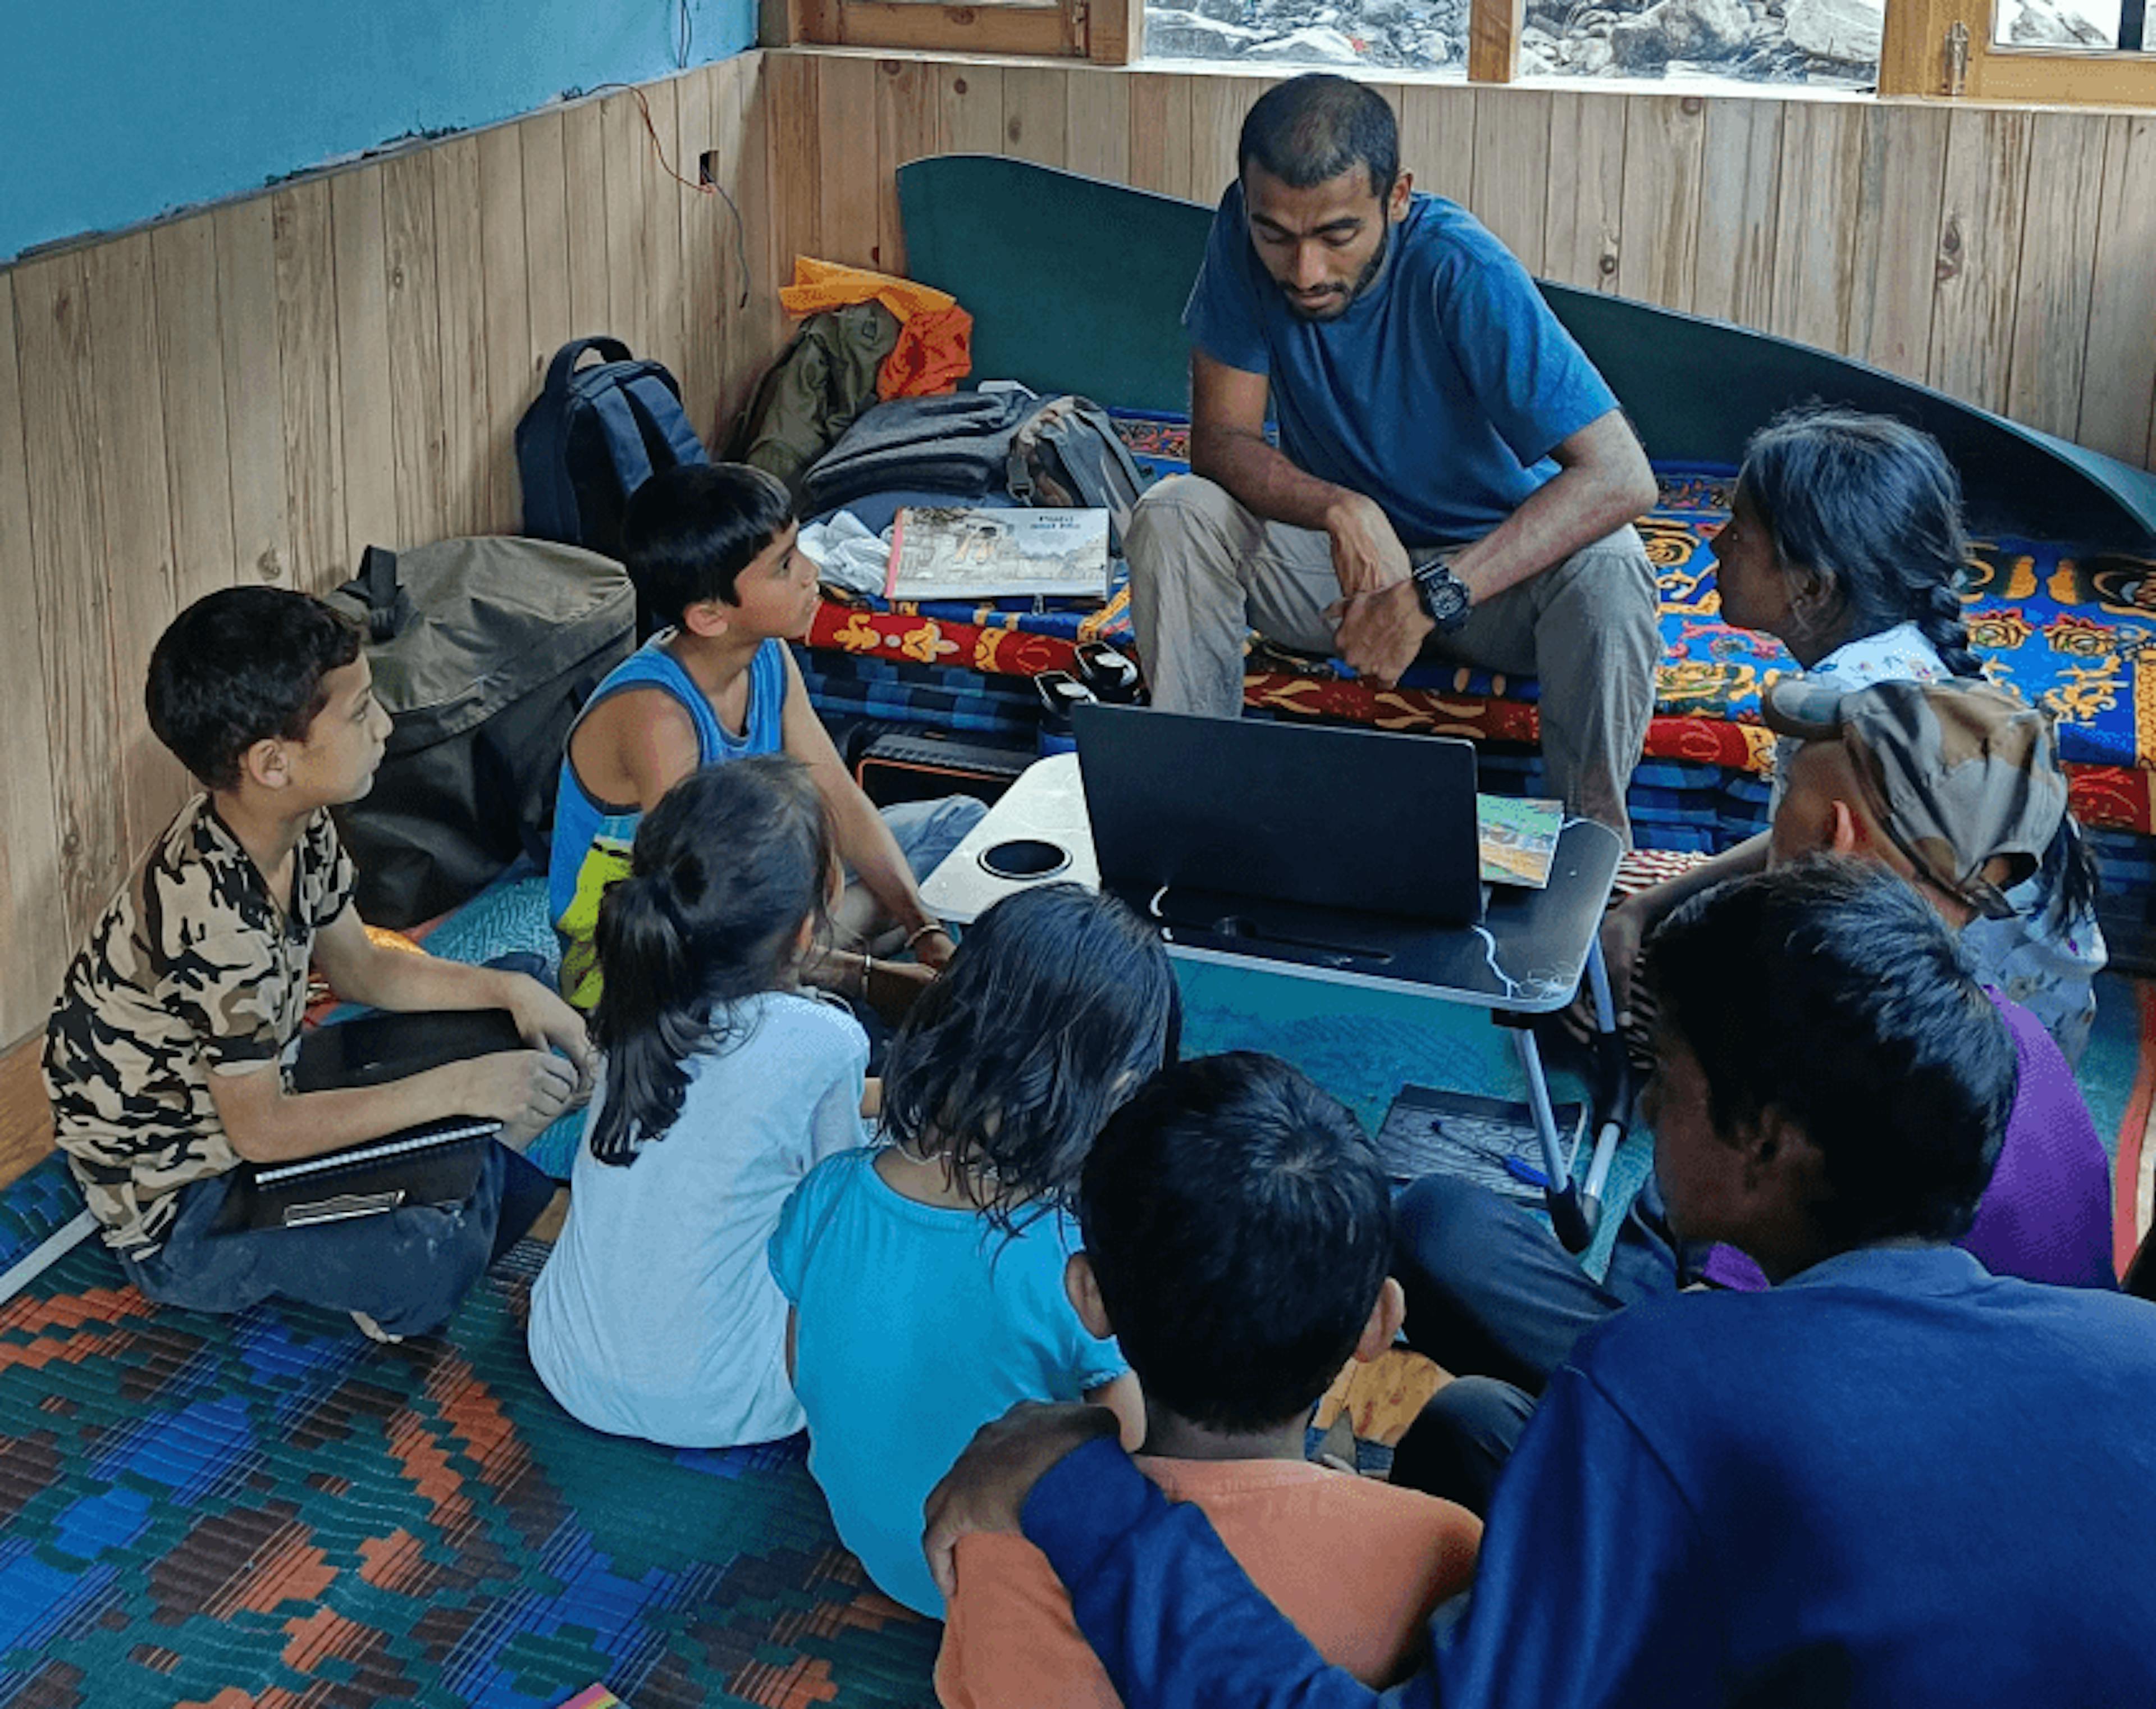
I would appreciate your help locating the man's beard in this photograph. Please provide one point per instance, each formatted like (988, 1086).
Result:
(1333, 307)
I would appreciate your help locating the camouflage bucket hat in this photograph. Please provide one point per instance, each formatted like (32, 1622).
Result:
(1959, 773)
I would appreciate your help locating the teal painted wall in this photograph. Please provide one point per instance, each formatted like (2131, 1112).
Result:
(113, 111)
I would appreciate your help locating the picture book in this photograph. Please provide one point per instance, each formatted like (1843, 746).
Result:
(1519, 839)
(942, 552)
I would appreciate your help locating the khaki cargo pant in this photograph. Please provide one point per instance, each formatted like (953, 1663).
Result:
(1204, 571)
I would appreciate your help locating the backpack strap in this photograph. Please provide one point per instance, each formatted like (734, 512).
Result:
(657, 406)
(570, 354)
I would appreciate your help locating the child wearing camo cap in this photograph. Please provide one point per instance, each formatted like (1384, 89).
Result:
(1954, 785)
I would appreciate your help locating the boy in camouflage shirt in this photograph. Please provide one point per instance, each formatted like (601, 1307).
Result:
(164, 1054)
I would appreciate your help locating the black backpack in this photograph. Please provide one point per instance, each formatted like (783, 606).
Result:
(592, 437)
(1051, 452)
(483, 650)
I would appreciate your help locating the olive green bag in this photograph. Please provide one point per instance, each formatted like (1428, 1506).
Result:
(819, 384)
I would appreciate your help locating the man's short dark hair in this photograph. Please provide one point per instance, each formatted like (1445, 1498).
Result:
(239, 666)
(1240, 1227)
(1311, 129)
(689, 531)
(1832, 991)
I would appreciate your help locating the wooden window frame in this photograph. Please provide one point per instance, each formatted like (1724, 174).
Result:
(1912, 62)
(1106, 31)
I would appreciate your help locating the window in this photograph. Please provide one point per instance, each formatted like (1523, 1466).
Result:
(1833, 44)
(1403, 35)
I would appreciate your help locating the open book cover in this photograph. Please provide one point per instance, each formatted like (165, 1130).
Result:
(943, 552)
(1519, 839)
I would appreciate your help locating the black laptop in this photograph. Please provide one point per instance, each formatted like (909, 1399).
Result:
(435, 1163)
(1296, 836)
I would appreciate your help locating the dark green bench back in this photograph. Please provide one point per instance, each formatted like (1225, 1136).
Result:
(1078, 286)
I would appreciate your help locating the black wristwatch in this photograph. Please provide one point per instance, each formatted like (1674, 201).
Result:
(1443, 594)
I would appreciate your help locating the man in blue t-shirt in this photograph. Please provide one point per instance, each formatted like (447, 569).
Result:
(1891, 1480)
(1453, 476)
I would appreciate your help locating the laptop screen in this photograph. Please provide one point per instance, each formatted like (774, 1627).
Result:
(1325, 817)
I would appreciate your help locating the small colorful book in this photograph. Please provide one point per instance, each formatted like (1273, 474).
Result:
(947, 552)
(594, 1697)
(1519, 839)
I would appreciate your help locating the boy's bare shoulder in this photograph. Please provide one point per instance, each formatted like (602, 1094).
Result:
(633, 736)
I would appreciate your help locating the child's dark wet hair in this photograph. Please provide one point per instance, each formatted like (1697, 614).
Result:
(691, 530)
(723, 872)
(1057, 1002)
(1240, 1227)
(1872, 506)
(239, 666)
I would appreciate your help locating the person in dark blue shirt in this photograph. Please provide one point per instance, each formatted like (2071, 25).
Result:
(1452, 475)
(1890, 1480)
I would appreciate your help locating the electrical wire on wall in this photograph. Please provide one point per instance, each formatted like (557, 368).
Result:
(701, 184)
(684, 34)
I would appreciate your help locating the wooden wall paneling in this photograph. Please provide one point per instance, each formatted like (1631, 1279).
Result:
(1979, 253)
(33, 919)
(1814, 233)
(2119, 375)
(1896, 218)
(969, 100)
(54, 336)
(666, 297)
(506, 320)
(2057, 273)
(1583, 235)
(632, 304)
(847, 167)
(1217, 107)
(1665, 149)
(1437, 139)
(1097, 142)
(795, 167)
(1160, 132)
(135, 500)
(190, 358)
(1739, 200)
(547, 289)
(307, 361)
(360, 270)
(1037, 113)
(460, 317)
(757, 332)
(254, 389)
(585, 188)
(415, 349)
(1513, 168)
(701, 222)
(909, 127)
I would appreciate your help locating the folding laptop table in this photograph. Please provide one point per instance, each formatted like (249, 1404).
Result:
(1528, 956)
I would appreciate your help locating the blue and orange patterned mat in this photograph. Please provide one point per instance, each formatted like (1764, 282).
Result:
(268, 1510)
(2075, 633)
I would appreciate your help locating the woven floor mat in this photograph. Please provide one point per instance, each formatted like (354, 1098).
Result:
(269, 1509)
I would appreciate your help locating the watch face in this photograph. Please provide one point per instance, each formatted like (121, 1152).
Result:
(1444, 595)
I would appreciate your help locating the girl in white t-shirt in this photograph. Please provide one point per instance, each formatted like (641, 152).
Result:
(723, 1082)
(1845, 543)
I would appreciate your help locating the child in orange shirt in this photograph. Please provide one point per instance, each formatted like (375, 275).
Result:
(1238, 1229)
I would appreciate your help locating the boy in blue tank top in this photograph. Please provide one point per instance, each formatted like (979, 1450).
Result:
(711, 548)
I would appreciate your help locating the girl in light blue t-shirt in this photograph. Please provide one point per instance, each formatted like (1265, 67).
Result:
(723, 1083)
(926, 1274)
